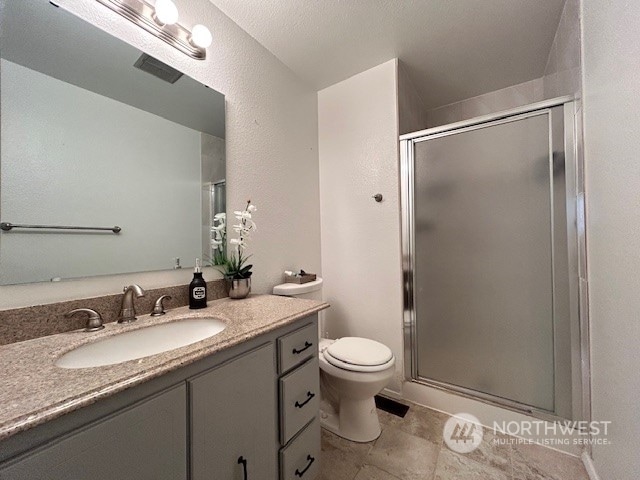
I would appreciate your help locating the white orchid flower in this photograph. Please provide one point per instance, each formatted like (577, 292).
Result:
(240, 243)
(247, 224)
(215, 242)
(252, 208)
(243, 228)
(220, 216)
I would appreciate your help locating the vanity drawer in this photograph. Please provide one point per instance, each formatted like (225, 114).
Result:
(299, 399)
(297, 346)
(301, 458)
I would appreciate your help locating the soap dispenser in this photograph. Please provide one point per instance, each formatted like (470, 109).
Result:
(197, 289)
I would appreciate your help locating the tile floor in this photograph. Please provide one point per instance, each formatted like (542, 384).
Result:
(412, 448)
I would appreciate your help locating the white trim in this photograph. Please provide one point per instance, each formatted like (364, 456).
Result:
(554, 102)
(589, 466)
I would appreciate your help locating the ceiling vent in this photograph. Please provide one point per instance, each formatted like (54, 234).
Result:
(155, 67)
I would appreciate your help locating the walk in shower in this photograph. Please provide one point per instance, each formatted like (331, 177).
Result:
(493, 252)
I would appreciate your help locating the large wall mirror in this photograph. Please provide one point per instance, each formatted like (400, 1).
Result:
(97, 134)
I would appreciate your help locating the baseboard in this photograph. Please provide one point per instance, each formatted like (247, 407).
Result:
(589, 466)
(392, 394)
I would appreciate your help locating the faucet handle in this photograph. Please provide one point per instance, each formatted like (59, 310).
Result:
(158, 308)
(94, 322)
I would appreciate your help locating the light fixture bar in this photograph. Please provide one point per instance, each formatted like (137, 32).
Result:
(141, 13)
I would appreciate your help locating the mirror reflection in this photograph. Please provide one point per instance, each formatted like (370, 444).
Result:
(95, 133)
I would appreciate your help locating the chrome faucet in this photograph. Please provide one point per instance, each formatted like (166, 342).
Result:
(128, 311)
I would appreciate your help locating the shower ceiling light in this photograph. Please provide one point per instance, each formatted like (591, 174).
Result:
(161, 19)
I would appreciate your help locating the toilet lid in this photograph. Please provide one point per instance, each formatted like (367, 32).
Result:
(359, 351)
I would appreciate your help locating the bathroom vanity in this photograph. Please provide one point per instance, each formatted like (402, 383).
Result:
(239, 405)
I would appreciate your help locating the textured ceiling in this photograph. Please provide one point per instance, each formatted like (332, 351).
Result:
(453, 49)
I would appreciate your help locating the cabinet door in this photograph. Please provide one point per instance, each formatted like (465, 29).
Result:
(233, 419)
(145, 442)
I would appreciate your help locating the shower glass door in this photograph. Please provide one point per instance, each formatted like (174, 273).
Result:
(489, 290)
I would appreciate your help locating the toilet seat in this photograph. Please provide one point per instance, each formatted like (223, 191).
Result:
(358, 355)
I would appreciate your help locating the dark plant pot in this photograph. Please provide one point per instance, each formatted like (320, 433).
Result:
(238, 288)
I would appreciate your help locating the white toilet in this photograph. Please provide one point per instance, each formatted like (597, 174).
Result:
(352, 371)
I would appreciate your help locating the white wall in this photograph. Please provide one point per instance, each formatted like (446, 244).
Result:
(412, 116)
(361, 262)
(492, 102)
(611, 40)
(562, 72)
(271, 142)
(73, 157)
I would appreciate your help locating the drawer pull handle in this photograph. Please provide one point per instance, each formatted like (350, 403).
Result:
(310, 459)
(310, 395)
(306, 346)
(243, 461)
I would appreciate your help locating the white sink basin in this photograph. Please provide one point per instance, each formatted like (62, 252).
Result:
(141, 343)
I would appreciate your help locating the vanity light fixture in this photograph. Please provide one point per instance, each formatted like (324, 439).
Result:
(166, 12)
(201, 36)
(161, 19)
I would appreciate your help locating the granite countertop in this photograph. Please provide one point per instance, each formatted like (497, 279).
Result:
(33, 390)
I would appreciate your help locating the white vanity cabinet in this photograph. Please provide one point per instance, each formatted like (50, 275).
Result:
(244, 413)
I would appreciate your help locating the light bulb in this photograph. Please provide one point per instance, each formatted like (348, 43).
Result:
(166, 12)
(201, 36)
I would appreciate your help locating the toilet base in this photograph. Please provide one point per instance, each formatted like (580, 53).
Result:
(357, 420)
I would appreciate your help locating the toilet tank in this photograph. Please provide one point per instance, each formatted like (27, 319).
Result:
(309, 290)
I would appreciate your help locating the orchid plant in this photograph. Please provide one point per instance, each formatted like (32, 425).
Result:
(234, 266)
(219, 240)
